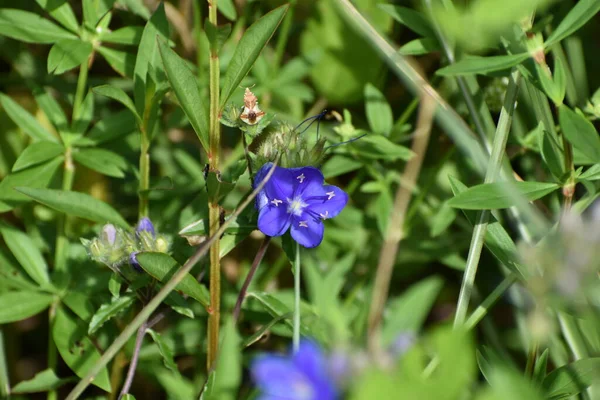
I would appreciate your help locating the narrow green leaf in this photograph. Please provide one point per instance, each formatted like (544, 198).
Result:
(78, 204)
(14, 276)
(137, 7)
(407, 312)
(580, 132)
(67, 54)
(248, 49)
(414, 20)
(31, 28)
(122, 62)
(15, 306)
(185, 86)
(582, 12)
(61, 11)
(37, 153)
(50, 106)
(571, 379)
(81, 121)
(494, 195)
(119, 95)
(162, 267)
(25, 251)
(76, 349)
(591, 174)
(35, 176)
(165, 350)
(482, 65)
(541, 366)
(378, 110)
(104, 161)
(42, 382)
(379, 147)
(226, 378)
(25, 120)
(147, 54)
(276, 308)
(419, 47)
(227, 8)
(108, 311)
(129, 35)
(552, 153)
(109, 128)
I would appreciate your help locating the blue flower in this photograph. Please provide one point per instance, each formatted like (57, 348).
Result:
(300, 376)
(145, 225)
(134, 262)
(297, 199)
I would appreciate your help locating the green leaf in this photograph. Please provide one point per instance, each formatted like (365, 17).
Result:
(104, 161)
(50, 106)
(119, 95)
(339, 165)
(94, 10)
(248, 49)
(80, 303)
(137, 7)
(162, 267)
(110, 310)
(227, 8)
(276, 308)
(24, 120)
(81, 121)
(129, 35)
(419, 47)
(407, 312)
(36, 176)
(26, 252)
(571, 379)
(31, 28)
(582, 12)
(78, 204)
(381, 148)
(122, 62)
(186, 89)
(541, 366)
(217, 189)
(552, 153)
(482, 65)
(67, 54)
(591, 174)
(76, 349)
(217, 35)
(412, 19)
(580, 132)
(225, 379)
(14, 276)
(148, 55)
(111, 127)
(37, 153)
(494, 195)
(42, 382)
(61, 11)
(165, 350)
(15, 306)
(379, 112)
(497, 240)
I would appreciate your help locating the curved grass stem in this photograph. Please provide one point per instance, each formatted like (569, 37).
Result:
(297, 321)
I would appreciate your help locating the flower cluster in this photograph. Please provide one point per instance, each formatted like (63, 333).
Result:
(297, 199)
(114, 246)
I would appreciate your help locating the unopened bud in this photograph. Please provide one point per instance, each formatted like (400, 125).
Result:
(109, 234)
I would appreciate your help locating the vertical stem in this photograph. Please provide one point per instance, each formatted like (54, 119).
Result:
(494, 165)
(213, 206)
(257, 259)
(296, 334)
(4, 382)
(139, 339)
(144, 174)
(62, 242)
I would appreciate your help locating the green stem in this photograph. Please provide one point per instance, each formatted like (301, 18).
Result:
(489, 301)
(213, 207)
(296, 335)
(494, 165)
(157, 300)
(4, 382)
(81, 89)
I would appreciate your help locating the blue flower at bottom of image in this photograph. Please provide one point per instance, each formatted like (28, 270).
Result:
(297, 199)
(300, 376)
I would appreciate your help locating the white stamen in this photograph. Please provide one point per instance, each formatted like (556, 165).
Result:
(303, 224)
(277, 202)
(330, 195)
(301, 178)
(325, 216)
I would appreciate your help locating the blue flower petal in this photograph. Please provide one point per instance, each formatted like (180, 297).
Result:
(310, 360)
(145, 225)
(278, 378)
(306, 179)
(274, 220)
(307, 230)
(329, 204)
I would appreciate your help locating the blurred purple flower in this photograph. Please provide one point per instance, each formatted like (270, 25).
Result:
(300, 376)
(134, 262)
(145, 225)
(297, 198)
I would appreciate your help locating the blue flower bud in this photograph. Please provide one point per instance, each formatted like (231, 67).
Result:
(145, 225)
(134, 262)
(109, 234)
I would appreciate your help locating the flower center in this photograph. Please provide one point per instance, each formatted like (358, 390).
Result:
(296, 206)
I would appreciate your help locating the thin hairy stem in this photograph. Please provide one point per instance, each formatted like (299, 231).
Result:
(139, 339)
